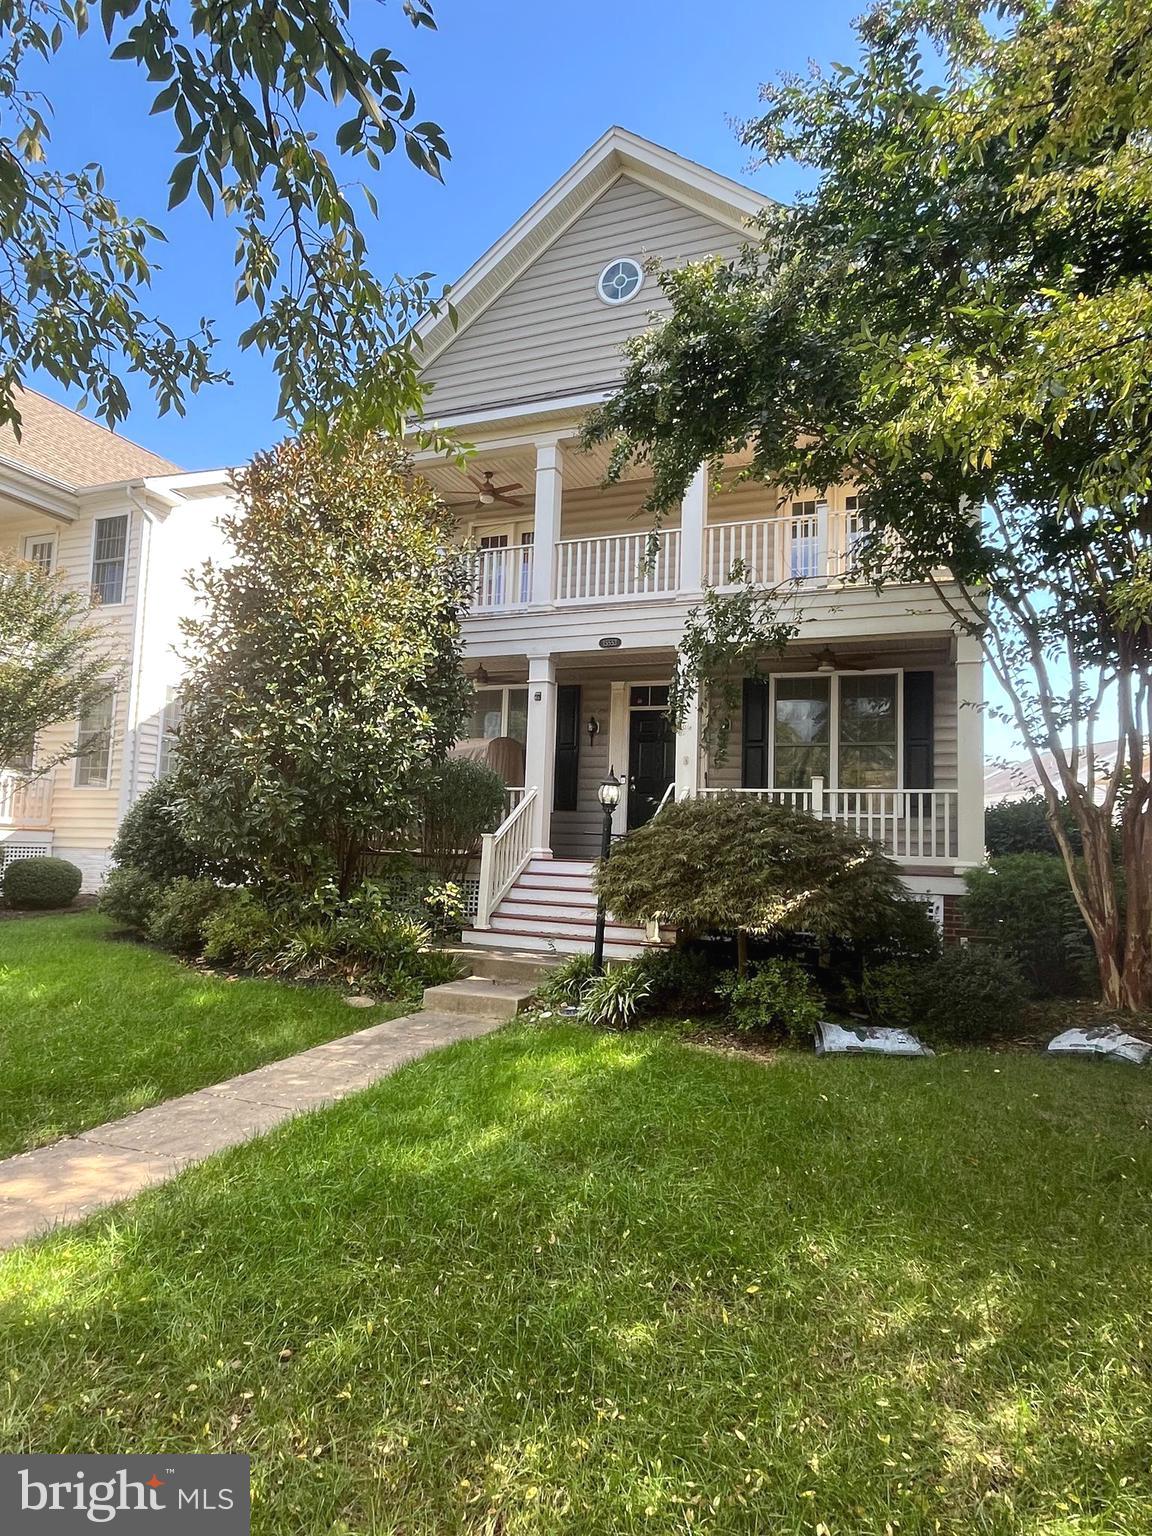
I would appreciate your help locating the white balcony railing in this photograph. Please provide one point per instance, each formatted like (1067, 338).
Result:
(24, 802)
(503, 577)
(814, 549)
(617, 565)
(913, 825)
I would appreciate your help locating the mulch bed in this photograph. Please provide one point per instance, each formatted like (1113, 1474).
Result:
(80, 905)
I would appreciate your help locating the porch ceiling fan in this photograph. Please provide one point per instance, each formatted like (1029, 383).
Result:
(827, 660)
(488, 494)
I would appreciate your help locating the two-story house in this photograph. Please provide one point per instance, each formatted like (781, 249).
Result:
(874, 715)
(122, 526)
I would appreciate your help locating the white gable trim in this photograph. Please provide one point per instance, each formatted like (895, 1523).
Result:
(615, 154)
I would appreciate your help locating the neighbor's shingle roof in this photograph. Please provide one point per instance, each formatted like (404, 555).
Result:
(58, 442)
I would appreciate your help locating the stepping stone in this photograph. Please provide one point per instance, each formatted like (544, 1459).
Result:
(358, 1000)
(866, 1040)
(1101, 1040)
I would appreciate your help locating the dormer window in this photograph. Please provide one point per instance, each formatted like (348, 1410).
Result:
(620, 280)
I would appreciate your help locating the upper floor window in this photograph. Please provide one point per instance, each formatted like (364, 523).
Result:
(620, 281)
(94, 743)
(40, 549)
(109, 558)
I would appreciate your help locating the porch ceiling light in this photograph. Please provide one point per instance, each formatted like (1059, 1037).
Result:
(609, 792)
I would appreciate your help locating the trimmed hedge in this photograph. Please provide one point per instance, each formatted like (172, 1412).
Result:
(41, 884)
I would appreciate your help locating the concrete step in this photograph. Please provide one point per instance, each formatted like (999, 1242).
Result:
(486, 964)
(481, 998)
(556, 945)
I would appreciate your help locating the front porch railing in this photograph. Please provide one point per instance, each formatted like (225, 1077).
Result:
(503, 854)
(914, 825)
(617, 565)
(24, 802)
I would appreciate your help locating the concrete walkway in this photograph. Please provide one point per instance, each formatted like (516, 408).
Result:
(65, 1182)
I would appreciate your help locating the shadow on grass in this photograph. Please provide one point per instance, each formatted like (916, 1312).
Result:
(555, 1281)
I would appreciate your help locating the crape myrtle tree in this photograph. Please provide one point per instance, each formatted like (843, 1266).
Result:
(53, 661)
(270, 106)
(958, 317)
(324, 681)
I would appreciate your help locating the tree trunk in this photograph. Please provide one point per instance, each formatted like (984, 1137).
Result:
(1118, 913)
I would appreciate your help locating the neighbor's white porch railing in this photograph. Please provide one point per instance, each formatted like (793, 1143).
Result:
(502, 577)
(503, 854)
(909, 824)
(24, 802)
(617, 565)
(815, 548)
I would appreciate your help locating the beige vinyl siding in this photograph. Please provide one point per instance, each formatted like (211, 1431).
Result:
(727, 774)
(549, 333)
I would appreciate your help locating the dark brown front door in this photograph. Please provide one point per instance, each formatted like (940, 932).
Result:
(651, 763)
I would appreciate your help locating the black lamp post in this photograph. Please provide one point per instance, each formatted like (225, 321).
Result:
(609, 796)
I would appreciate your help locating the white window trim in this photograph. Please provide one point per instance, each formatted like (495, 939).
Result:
(103, 517)
(833, 679)
(43, 538)
(636, 292)
(505, 689)
(113, 698)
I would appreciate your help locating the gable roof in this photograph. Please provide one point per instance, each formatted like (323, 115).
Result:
(616, 153)
(64, 446)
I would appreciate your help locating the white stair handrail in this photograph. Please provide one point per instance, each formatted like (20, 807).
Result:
(503, 854)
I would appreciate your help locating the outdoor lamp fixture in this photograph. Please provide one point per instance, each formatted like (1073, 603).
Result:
(480, 677)
(593, 729)
(608, 795)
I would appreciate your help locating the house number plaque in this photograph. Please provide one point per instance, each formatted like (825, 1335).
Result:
(610, 643)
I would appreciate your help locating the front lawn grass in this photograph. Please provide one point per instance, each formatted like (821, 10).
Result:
(561, 1282)
(92, 1027)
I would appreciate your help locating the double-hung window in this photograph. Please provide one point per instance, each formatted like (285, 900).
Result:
(94, 743)
(40, 550)
(170, 733)
(843, 728)
(802, 731)
(869, 731)
(109, 558)
(499, 712)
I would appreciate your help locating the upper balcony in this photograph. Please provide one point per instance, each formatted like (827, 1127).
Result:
(24, 803)
(557, 537)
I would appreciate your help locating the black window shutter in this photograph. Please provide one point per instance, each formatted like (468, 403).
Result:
(755, 769)
(919, 689)
(567, 747)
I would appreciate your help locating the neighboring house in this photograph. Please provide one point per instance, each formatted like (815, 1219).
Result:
(873, 718)
(124, 525)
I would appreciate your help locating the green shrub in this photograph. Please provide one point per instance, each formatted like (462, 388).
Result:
(41, 883)
(151, 838)
(890, 993)
(1021, 826)
(460, 802)
(1024, 904)
(130, 896)
(613, 999)
(970, 994)
(563, 985)
(682, 980)
(242, 930)
(182, 913)
(777, 995)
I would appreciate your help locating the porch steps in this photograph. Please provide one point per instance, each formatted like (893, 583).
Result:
(551, 910)
(497, 982)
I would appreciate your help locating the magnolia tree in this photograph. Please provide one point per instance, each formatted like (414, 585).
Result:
(324, 680)
(958, 317)
(53, 662)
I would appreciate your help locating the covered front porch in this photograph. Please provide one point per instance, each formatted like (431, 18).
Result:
(885, 738)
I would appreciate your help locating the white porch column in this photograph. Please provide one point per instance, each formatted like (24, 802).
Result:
(540, 750)
(549, 490)
(688, 752)
(969, 750)
(693, 516)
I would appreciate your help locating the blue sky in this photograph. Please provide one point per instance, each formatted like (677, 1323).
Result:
(521, 89)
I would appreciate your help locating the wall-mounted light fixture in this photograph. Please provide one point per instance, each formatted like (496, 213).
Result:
(480, 677)
(593, 729)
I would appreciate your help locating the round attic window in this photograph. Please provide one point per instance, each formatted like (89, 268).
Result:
(620, 280)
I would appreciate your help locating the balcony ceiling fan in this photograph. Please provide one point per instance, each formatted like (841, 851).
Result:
(827, 660)
(488, 495)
